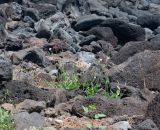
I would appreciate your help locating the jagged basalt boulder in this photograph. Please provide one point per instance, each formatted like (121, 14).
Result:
(18, 91)
(153, 110)
(140, 71)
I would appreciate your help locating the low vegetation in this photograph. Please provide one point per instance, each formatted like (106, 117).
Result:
(6, 120)
(68, 81)
(72, 81)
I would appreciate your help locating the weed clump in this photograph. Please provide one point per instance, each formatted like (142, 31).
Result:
(72, 81)
(6, 120)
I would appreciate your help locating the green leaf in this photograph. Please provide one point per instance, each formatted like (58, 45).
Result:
(86, 110)
(89, 126)
(99, 115)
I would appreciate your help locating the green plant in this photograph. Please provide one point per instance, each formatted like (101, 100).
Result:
(6, 120)
(99, 116)
(112, 94)
(89, 108)
(91, 89)
(89, 126)
(6, 95)
(102, 127)
(68, 81)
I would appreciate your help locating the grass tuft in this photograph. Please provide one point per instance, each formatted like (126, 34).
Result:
(6, 120)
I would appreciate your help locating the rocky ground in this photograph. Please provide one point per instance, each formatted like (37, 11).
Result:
(80, 64)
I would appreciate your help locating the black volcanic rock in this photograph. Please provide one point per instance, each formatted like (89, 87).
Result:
(84, 23)
(125, 31)
(129, 50)
(153, 111)
(103, 33)
(149, 21)
(140, 71)
(19, 91)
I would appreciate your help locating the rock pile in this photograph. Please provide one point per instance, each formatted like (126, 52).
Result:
(112, 45)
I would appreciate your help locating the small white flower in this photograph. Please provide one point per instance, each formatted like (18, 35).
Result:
(108, 58)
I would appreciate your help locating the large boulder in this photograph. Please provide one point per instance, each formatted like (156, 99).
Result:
(37, 56)
(31, 106)
(151, 21)
(45, 10)
(148, 124)
(24, 120)
(111, 108)
(103, 33)
(125, 32)
(141, 71)
(34, 55)
(153, 111)
(84, 23)
(78, 8)
(130, 49)
(17, 91)
(14, 11)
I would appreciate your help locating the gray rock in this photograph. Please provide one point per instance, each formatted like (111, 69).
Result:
(32, 13)
(80, 7)
(153, 111)
(87, 40)
(86, 22)
(106, 47)
(149, 21)
(13, 44)
(38, 57)
(65, 36)
(49, 112)
(31, 106)
(94, 74)
(86, 56)
(147, 125)
(129, 106)
(24, 120)
(5, 70)
(122, 125)
(103, 33)
(45, 10)
(130, 49)
(148, 34)
(18, 91)
(54, 72)
(125, 32)
(43, 2)
(2, 27)
(154, 42)
(140, 71)
(43, 30)
(14, 11)
(157, 30)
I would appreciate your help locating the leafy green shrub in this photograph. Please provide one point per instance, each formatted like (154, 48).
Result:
(89, 108)
(91, 89)
(68, 82)
(6, 120)
(72, 81)
(99, 116)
